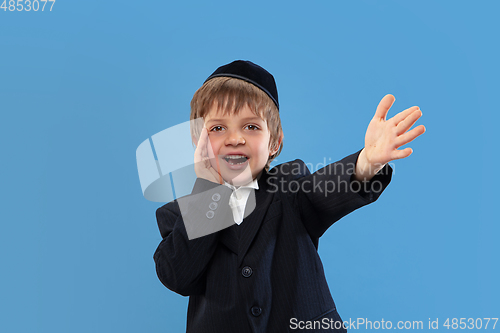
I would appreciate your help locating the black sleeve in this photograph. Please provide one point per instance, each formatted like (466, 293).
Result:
(330, 193)
(189, 227)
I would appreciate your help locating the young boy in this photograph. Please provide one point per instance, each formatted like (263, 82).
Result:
(243, 245)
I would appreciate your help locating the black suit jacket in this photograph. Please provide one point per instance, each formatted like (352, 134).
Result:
(265, 274)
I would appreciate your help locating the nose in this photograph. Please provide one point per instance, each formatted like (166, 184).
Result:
(234, 138)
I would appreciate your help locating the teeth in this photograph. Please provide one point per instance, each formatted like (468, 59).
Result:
(234, 157)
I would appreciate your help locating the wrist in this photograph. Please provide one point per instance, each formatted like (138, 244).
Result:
(365, 169)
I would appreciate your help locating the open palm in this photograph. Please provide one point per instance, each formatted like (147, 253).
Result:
(384, 137)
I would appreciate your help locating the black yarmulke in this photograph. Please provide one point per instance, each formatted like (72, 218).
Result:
(252, 73)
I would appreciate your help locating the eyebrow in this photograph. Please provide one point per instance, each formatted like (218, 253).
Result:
(216, 120)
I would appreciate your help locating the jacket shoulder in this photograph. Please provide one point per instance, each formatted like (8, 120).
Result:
(172, 207)
(295, 169)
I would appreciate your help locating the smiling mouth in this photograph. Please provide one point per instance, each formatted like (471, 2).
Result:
(235, 159)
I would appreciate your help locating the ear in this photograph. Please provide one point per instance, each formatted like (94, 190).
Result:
(274, 149)
(195, 140)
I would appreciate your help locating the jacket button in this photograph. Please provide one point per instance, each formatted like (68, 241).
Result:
(246, 271)
(213, 205)
(210, 214)
(256, 311)
(216, 197)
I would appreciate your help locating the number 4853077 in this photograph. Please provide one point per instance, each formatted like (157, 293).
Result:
(25, 5)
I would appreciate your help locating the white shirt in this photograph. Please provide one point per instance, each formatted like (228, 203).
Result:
(239, 197)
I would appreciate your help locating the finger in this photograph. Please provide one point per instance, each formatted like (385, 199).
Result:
(208, 147)
(410, 136)
(207, 163)
(403, 115)
(384, 106)
(399, 154)
(200, 156)
(203, 137)
(200, 151)
(216, 175)
(408, 122)
(218, 171)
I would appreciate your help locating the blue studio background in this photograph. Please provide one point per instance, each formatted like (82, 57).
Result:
(83, 85)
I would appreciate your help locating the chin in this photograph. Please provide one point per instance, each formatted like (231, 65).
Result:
(237, 178)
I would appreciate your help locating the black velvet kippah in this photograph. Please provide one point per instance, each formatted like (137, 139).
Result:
(252, 73)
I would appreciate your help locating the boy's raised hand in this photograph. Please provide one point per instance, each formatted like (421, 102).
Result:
(202, 156)
(384, 137)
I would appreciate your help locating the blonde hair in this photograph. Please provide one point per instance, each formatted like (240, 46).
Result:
(231, 95)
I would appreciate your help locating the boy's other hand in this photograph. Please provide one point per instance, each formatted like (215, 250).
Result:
(384, 137)
(202, 160)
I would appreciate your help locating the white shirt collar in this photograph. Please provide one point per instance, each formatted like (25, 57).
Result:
(239, 197)
(253, 184)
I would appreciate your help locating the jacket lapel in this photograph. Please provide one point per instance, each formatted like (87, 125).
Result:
(229, 237)
(238, 238)
(260, 203)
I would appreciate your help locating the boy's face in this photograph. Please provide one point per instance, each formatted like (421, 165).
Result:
(240, 144)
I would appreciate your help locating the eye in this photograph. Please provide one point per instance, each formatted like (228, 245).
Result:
(252, 127)
(216, 129)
